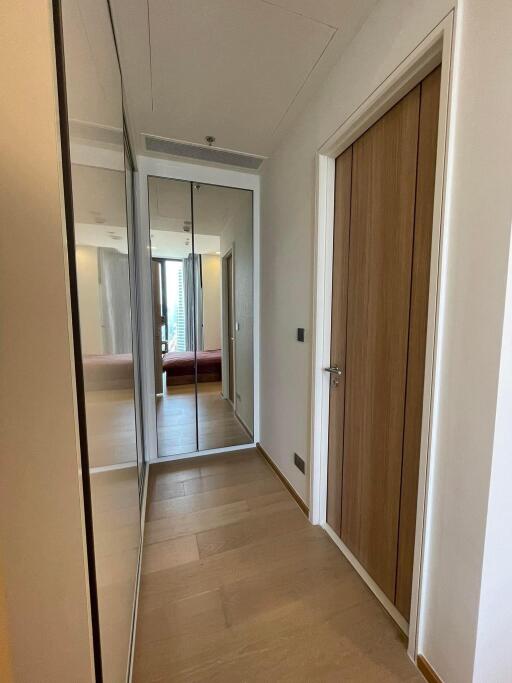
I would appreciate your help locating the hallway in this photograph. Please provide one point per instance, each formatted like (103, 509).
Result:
(237, 585)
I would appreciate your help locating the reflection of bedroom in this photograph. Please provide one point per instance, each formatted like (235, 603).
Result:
(203, 315)
(202, 279)
(104, 297)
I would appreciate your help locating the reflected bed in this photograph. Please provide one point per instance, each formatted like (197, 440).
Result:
(179, 367)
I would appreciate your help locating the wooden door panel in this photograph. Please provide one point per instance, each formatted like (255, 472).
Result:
(342, 198)
(427, 151)
(379, 280)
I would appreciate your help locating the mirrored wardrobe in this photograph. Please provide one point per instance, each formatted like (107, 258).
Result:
(202, 279)
(102, 245)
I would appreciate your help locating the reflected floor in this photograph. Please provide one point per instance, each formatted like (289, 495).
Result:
(116, 519)
(111, 427)
(218, 425)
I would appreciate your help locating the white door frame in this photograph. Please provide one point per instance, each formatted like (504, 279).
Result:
(435, 49)
(179, 170)
(225, 330)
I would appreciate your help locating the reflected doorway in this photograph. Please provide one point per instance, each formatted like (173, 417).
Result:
(203, 315)
(230, 320)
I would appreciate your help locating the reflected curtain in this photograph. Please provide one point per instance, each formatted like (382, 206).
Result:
(193, 285)
(115, 301)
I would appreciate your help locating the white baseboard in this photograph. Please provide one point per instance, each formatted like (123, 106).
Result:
(379, 594)
(139, 575)
(200, 454)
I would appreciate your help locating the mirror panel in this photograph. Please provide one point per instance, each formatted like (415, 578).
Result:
(95, 118)
(225, 396)
(202, 273)
(132, 225)
(176, 286)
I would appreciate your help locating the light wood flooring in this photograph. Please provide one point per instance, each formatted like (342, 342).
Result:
(111, 427)
(176, 420)
(238, 586)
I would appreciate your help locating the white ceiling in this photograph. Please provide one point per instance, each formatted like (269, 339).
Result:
(170, 210)
(170, 205)
(236, 69)
(100, 212)
(164, 244)
(98, 195)
(92, 78)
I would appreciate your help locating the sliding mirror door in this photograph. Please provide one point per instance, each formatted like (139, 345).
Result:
(99, 178)
(176, 280)
(225, 391)
(132, 225)
(202, 277)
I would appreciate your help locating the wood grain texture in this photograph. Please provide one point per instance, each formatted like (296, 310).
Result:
(381, 241)
(427, 671)
(270, 597)
(426, 172)
(342, 200)
(288, 486)
(170, 553)
(176, 419)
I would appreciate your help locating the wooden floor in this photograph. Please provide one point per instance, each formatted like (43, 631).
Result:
(238, 586)
(176, 420)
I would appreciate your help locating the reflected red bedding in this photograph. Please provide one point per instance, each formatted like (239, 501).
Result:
(182, 362)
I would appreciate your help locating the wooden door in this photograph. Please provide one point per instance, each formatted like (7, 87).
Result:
(424, 211)
(383, 222)
(231, 327)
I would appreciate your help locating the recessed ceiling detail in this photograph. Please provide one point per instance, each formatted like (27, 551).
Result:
(238, 69)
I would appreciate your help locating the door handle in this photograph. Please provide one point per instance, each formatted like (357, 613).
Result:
(334, 370)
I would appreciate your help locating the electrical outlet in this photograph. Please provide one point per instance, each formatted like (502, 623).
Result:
(299, 463)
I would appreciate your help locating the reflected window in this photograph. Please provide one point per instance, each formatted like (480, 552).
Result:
(175, 310)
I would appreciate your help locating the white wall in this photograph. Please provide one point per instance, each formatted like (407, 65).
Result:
(473, 289)
(211, 270)
(89, 300)
(238, 235)
(493, 660)
(42, 553)
(478, 220)
(391, 32)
